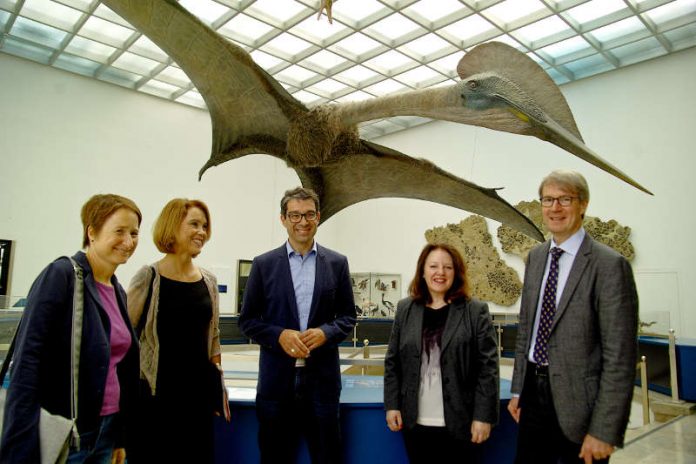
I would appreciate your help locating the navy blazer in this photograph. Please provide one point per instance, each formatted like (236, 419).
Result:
(269, 308)
(40, 374)
(468, 363)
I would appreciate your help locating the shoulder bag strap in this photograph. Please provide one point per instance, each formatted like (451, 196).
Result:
(146, 307)
(75, 343)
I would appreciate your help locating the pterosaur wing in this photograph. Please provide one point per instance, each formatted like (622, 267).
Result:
(248, 108)
(381, 172)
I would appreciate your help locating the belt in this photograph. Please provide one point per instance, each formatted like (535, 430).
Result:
(538, 369)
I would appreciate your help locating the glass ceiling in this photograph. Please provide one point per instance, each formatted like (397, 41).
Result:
(372, 48)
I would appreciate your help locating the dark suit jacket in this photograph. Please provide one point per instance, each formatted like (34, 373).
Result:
(593, 341)
(269, 308)
(468, 362)
(40, 376)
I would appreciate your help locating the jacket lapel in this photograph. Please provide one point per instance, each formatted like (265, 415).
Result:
(576, 272)
(320, 276)
(454, 319)
(283, 267)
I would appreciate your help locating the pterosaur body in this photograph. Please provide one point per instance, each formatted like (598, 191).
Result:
(501, 89)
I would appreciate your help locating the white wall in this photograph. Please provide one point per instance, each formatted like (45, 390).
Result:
(64, 137)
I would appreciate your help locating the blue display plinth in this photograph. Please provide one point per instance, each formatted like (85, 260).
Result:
(366, 436)
(656, 351)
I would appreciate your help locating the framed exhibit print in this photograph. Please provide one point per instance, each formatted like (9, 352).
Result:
(243, 271)
(5, 259)
(376, 294)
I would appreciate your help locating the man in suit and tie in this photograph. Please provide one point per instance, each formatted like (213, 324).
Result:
(298, 306)
(577, 342)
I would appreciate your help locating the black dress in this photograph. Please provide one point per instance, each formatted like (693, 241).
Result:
(178, 420)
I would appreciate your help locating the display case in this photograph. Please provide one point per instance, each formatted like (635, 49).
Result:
(376, 294)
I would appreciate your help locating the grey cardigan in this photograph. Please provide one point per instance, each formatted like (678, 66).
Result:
(469, 364)
(149, 342)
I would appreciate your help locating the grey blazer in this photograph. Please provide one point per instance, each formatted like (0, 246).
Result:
(469, 364)
(592, 345)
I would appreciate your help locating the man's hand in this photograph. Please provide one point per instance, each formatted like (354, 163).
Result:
(313, 338)
(292, 344)
(594, 448)
(514, 408)
(394, 421)
(480, 431)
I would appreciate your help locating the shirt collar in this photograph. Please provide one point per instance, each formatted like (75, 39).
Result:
(572, 244)
(291, 251)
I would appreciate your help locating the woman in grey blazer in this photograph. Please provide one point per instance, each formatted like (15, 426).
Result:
(441, 381)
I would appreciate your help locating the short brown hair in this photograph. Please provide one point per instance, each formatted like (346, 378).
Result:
(99, 208)
(460, 286)
(298, 193)
(169, 220)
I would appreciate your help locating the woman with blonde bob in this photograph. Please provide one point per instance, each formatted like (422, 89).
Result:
(174, 306)
(441, 369)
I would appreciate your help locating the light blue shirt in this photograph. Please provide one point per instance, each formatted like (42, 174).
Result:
(303, 270)
(570, 249)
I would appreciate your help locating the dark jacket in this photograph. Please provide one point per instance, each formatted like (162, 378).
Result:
(40, 376)
(468, 363)
(270, 307)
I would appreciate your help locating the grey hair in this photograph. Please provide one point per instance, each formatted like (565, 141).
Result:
(298, 193)
(571, 180)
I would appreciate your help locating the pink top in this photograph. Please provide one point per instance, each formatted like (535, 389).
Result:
(120, 341)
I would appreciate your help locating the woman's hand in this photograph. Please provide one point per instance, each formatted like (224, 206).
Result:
(118, 456)
(394, 420)
(480, 431)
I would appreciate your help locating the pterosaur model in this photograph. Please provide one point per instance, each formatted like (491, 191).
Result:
(501, 89)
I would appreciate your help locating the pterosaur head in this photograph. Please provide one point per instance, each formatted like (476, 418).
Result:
(512, 93)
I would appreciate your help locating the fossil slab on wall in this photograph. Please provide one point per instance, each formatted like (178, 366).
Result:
(490, 278)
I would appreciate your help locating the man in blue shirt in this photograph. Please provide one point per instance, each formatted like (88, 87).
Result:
(298, 306)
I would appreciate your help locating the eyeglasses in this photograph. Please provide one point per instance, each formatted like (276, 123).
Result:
(565, 200)
(295, 217)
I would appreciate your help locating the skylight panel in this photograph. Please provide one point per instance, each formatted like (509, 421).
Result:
(419, 77)
(427, 45)
(390, 63)
(174, 76)
(386, 87)
(671, 11)
(38, 33)
(355, 11)
(159, 89)
(105, 31)
(542, 29)
(76, 64)
(325, 60)
(319, 32)
(638, 51)
(295, 75)
(192, 98)
(394, 26)
(27, 50)
(509, 11)
(566, 47)
(286, 45)
(308, 98)
(205, 10)
(265, 60)
(119, 77)
(595, 9)
(356, 44)
(82, 5)
(277, 11)
(434, 11)
(466, 29)
(136, 63)
(147, 48)
(4, 17)
(245, 29)
(618, 30)
(90, 49)
(51, 13)
(356, 76)
(327, 87)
